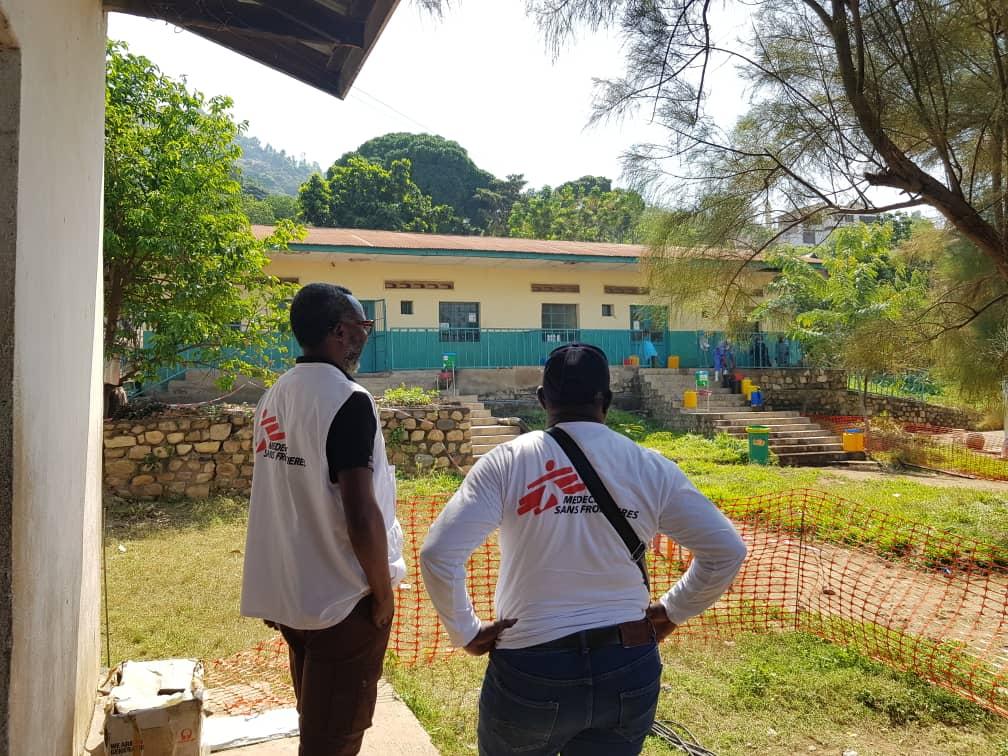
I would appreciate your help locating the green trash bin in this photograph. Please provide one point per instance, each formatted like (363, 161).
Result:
(759, 443)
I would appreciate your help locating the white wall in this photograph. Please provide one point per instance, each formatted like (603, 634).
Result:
(55, 392)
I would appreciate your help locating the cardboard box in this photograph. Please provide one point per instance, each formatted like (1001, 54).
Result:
(155, 709)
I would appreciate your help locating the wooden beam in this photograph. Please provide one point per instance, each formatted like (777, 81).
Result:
(296, 20)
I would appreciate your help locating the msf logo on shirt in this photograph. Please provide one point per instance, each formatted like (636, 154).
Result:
(536, 500)
(271, 427)
(274, 446)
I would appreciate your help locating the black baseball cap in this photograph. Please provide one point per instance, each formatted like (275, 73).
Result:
(575, 374)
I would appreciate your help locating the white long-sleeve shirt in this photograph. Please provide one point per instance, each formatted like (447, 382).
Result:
(563, 566)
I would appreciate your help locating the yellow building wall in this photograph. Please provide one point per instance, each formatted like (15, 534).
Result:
(504, 293)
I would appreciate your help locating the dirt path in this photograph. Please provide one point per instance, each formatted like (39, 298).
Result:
(918, 476)
(958, 606)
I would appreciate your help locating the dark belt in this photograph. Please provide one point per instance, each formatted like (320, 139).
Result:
(626, 634)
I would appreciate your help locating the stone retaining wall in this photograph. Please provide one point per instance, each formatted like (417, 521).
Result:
(179, 453)
(196, 453)
(824, 392)
(425, 438)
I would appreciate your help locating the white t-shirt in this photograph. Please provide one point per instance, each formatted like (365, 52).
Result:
(563, 566)
(300, 567)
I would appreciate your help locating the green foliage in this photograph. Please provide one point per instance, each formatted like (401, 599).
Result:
(850, 312)
(284, 206)
(582, 210)
(264, 170)
(441, 168)
(496, 203)
(360, 194)
(963, 326)
(259, 211)
(409, 396)
(846, 104)
(179, 256)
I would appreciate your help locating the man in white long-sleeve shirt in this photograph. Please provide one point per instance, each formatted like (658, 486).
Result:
(574, 665)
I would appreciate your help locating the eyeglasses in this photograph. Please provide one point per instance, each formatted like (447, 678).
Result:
(367, 325)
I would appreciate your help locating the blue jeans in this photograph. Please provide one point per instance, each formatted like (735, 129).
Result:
(540, 702)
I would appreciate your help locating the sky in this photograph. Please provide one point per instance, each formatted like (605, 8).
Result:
(481, 76)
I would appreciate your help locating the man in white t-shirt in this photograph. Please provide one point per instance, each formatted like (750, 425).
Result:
(323, 552)
(574, 664)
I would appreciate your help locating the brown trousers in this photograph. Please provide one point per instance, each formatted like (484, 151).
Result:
(335, 672)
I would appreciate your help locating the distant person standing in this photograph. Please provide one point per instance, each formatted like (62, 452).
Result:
(323, 552)
(724, 359)
(650, 352)
(783, 350)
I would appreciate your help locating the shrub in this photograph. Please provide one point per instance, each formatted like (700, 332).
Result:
(409, 396)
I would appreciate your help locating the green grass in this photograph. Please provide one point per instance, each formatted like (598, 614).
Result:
(757, 694)
(717, 467)
(174, 573)
(174, 579)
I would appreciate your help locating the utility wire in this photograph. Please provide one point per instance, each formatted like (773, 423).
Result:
(357, 90)
(669, 736)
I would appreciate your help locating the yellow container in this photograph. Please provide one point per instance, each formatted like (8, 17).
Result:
(747, 387)
(853, 440)
(673, 361)
(634, 359)
(689, 399)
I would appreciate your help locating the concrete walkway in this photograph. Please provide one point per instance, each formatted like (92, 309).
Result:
(395, 731)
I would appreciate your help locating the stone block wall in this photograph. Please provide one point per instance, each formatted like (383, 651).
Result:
(195, 453)
(824, 392)
(179, 453)
(428, 438)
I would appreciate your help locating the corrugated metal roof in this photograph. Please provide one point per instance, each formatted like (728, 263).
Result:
(357, 238)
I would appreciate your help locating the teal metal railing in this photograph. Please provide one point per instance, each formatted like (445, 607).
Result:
(424, 348)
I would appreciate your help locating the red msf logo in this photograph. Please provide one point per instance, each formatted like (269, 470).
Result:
(271, 427)
(565, 479)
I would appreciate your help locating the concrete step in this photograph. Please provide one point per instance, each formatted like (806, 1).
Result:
(461, 398)
(494, 430)
(750, 416)
(481, 422)
(815, 459)
(793, 448)
(781, 421)
(492, 441)
(782, 431)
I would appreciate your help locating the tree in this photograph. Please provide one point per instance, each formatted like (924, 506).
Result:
(184, 281)
(845, 97)
(581, 210)
(853, 312)
(496, 203)
(258, 211)
(315, 198)
(963, 323)
(440, 167)
(361, 194)
(284, 206)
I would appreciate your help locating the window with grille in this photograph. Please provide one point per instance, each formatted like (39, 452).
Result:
(607, 311)
(405, 306)
(647, 321)
(458, 321)
(559, 323)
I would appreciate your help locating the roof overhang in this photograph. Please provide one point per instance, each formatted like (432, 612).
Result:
(323, 43)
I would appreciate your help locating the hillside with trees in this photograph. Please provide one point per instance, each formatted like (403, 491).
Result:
(266, 170)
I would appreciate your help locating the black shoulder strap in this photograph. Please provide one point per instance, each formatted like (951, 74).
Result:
(602, 497)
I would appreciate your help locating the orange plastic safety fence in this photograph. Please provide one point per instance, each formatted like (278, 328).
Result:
(897, 591)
